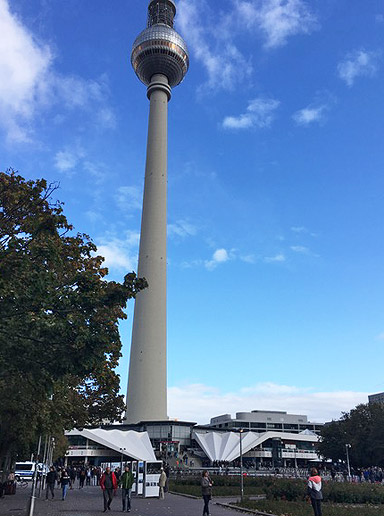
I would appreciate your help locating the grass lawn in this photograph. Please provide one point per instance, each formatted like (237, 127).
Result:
(283, 508)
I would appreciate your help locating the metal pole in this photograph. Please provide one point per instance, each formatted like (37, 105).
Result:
(42, 478)
(241, 467)
(347, 446)
(33, 497)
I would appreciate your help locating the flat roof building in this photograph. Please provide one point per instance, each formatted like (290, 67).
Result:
(265, 420)
(376, 398)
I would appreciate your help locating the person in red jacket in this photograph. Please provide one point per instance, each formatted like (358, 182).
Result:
(315, 492)
(108, 484)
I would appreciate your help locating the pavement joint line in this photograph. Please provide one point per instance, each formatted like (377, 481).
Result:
(243, 509)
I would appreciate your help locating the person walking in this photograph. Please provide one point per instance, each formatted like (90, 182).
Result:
(206, 491)
(64, 481)
(51, 480)
(162, 482)
(315, 492)
(108, 484)
(126, 482)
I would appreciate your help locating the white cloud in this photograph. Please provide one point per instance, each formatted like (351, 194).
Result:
(359, 63)
(380, 336)
(129, 198)
(308, 115)
(277, 20)
(219, 256)
(260, 113)
(200, 403)
(300, 249)
(299, 229)
(119, 253)
(214, 49)
(277, 258)
(30, 84)
(66, 160)
(181, 228)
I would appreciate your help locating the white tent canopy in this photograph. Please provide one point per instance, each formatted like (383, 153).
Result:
(226, 446)
(135, 445)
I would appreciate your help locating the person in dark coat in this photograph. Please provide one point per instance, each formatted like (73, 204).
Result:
(108, 484)
(314, 491)
(51, 479)
(206, 491)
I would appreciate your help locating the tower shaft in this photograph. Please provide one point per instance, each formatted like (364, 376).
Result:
(147, 381)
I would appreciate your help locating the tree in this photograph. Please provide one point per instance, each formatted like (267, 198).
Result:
(59, 336)
(362, 428)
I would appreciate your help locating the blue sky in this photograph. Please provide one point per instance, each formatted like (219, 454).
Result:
(276, 208)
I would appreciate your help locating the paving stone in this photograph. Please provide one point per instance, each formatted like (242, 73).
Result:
(89, 502)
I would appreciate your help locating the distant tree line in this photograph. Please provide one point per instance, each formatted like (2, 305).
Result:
(363, 429)
(59, 316)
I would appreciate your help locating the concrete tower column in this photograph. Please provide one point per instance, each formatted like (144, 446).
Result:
(147, 381)
(160, 60)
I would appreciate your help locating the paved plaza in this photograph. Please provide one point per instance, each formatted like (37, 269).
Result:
(89, 502)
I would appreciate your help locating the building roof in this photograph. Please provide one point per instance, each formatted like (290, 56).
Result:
(135, 445)
(226, 447)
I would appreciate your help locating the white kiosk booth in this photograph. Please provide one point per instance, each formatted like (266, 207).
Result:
(132, 448)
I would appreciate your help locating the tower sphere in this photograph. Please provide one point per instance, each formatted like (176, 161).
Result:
(159, 49)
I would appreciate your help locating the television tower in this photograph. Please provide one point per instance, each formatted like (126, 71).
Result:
(160, 60)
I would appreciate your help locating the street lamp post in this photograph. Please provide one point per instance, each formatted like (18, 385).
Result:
(347, 447)
(121, 461)
(241, 466)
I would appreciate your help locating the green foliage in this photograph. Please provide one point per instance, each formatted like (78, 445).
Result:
(290, 490)
(59, 316)
(362, 428)
(285, 508)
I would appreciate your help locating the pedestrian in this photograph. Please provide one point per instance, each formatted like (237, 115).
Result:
(51, 479)
(315, 492)
(206, 491)
(167, 470)
(162, 482)
(81, 478)
(108, 484)
(126, 482)
(64, 481)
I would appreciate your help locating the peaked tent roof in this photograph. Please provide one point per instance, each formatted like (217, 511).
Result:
(226, 446)
(127, 442)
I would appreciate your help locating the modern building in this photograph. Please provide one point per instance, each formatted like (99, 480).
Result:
(258, 450)
(376, 398)
(264, 421)
(160, 60)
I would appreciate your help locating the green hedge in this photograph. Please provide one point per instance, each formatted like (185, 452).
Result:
(285, 508)
(283, 489)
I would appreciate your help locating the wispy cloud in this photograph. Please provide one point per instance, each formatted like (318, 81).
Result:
(309, 115)
(300, 249)
(181, 228)
(277, 258)
(380, 336)
(260, 113)
(277, 20)
(212, 34)
(224, 63)
(68, 159)
(32, 85)
(356, 64)
(129, 198)
(198, 402)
